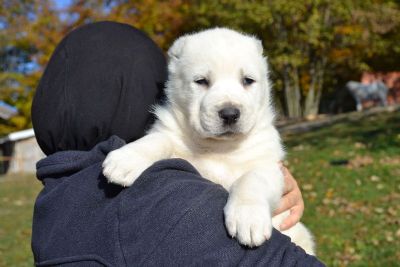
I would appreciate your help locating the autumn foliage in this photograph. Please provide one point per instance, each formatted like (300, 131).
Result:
(313, 46)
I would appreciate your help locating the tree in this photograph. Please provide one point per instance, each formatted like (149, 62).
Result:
(161, 20)
(307, 42)
(311, 44)
(15, 52)
(31, 29)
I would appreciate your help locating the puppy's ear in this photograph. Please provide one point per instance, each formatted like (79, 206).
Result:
(177, 47)
(259, 46)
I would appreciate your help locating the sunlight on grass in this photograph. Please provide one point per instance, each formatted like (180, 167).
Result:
(17, 194)
(350, 179)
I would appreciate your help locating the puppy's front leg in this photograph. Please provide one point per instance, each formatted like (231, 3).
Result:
(123, 166)
(252, 199)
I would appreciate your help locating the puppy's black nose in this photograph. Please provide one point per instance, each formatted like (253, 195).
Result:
(229, 115)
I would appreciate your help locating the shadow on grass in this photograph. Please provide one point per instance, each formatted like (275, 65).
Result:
(377, 132)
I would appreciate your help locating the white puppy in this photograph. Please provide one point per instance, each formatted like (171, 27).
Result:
(218, 117)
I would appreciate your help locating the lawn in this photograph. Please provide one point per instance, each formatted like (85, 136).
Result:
(350, 178)
(349, 174)
(17, 194)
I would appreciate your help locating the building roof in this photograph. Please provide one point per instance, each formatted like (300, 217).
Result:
(15, 136)
(7, 111)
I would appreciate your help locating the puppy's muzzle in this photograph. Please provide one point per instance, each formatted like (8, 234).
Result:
(229, 115)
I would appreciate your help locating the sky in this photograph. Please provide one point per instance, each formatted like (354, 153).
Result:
(62, 3)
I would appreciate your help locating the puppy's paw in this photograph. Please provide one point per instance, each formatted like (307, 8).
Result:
(123, 167)
(250, 223)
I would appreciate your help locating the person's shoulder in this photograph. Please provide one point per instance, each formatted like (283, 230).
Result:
(173, 172)
(173, 216)
(175, 182)
(166, 201)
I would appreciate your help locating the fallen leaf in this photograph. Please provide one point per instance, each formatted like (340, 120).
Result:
(374, 178)
(359, 145)
(379, 210)
(380, 186)
(398, 233)
(307, 187)
(329, 193)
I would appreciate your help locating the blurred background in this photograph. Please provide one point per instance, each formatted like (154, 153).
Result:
(346, 160)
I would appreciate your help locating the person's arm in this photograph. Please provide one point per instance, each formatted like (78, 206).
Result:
(292, 200)
(173, 217)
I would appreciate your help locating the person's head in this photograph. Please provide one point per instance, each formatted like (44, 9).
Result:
(101, 80)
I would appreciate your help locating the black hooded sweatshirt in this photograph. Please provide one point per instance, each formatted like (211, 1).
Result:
(170, 216)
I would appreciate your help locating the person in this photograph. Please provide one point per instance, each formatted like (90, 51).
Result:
(94, 96)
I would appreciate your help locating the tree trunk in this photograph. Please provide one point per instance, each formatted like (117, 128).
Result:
(292, 92)
(313, 97)
(310, 97)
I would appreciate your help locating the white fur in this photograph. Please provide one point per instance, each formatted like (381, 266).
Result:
(242, 157)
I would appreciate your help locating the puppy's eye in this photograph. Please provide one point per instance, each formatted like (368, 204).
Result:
(248, 81)
(202, 81)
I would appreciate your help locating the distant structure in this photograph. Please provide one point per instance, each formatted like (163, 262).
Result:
(390, 79)
(19, 152)
(7, 111)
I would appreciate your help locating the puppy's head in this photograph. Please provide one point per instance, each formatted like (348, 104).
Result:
(218, 79)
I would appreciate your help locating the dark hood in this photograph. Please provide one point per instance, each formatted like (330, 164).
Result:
(101, 81)
(66, 163)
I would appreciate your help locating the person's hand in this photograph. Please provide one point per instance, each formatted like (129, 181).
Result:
(291, 200)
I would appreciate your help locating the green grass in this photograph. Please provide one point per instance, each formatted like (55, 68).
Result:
(353, 209)
(17, 194)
